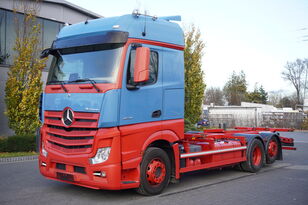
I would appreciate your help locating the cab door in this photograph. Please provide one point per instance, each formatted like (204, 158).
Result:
(142, 102)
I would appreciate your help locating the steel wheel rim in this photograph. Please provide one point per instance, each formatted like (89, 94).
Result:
(256, 156)
(272, 148)
(156, 172)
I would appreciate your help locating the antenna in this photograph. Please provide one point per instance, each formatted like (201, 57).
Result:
(145, 23)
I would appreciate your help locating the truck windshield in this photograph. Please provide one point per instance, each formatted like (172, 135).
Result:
(101, 66)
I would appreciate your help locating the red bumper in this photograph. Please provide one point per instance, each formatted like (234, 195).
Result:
(75, 168)
(48, 168)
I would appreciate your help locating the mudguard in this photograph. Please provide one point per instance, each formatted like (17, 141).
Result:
(250, 137)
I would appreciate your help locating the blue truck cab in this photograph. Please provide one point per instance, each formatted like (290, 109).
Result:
(115, 87)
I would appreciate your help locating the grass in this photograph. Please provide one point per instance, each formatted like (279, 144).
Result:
(16, 154)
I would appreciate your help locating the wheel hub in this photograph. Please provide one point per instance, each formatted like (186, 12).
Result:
(156, 172)
(257, 156)
(272, 148)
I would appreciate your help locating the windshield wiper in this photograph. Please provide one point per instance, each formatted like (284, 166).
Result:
(61, 83)
(87, 80)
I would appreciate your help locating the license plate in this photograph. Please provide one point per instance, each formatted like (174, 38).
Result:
(65, 177)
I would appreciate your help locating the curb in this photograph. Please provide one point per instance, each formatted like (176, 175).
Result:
(18, 159)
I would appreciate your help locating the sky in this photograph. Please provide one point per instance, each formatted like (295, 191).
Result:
(256, 36)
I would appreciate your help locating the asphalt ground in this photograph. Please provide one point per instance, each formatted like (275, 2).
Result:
(284, 183)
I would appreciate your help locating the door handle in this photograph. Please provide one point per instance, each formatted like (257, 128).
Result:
(156, 113)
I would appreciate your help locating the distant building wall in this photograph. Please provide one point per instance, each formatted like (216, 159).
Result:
(234, 116)
(57, 10)
(261, 116)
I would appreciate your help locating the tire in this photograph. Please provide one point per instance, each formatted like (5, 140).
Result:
(255, 157)
(272, 150)
(155, 172)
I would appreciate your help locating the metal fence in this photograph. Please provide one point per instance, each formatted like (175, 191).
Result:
(270, 119)
(283, 119)
(216, 120)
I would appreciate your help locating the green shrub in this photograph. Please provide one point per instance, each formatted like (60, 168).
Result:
(189, 126)
(304, 125)
(17, 144)
(3, 144)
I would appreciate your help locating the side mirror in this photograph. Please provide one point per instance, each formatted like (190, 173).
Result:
(142, 62)
(45, 53)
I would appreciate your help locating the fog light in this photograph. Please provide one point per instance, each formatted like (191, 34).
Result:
(102, 155)
(99, 174)
(43, 164)
(44, 152)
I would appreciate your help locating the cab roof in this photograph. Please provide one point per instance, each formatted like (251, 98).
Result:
(156, 29)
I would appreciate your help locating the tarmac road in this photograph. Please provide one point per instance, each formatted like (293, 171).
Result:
(284, 182)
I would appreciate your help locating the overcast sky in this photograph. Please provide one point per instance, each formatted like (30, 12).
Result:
(258, 36)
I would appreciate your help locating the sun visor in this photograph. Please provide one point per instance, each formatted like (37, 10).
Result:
(105, 37)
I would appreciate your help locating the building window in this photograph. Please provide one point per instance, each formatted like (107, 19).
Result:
(49, 31)
(2, 34)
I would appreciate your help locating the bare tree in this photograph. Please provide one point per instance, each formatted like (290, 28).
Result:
(274, 97)
(295, 72)
(214, 95)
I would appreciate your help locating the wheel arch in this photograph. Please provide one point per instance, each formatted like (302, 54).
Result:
(165, 141)
(250, 137)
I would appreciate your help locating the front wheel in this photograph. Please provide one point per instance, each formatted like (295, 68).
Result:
(154, 171)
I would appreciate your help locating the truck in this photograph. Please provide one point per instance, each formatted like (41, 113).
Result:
(112, 111)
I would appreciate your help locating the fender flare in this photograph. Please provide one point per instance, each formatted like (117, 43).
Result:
(172, 138)
(249, 139)
(166, 135)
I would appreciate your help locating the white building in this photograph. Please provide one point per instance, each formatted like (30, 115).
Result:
(254, 115)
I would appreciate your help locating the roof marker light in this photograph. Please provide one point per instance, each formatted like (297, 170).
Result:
(136, 13)
(116, 26)
(154, 18)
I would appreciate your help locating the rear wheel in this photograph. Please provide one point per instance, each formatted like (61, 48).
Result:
(154, 172)
(272, 150)
(255, 157)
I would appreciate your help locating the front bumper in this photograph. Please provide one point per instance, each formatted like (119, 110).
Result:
(75, 168)
(49, 167)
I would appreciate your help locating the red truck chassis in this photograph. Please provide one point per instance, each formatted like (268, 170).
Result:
(248, 148)
(226, 147)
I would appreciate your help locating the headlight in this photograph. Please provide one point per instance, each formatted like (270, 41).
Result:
(102, 155)
(44, 152)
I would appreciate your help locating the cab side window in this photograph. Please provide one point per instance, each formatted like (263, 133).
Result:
(153, 69)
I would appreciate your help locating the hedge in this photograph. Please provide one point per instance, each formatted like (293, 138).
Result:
(17, 144)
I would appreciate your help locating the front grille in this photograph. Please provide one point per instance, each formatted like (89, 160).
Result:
(78, 138)
(70, 146)
(85, 120)
(70, 138)
(68, 129)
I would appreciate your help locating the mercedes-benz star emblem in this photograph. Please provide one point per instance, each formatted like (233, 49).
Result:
(68, 117)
